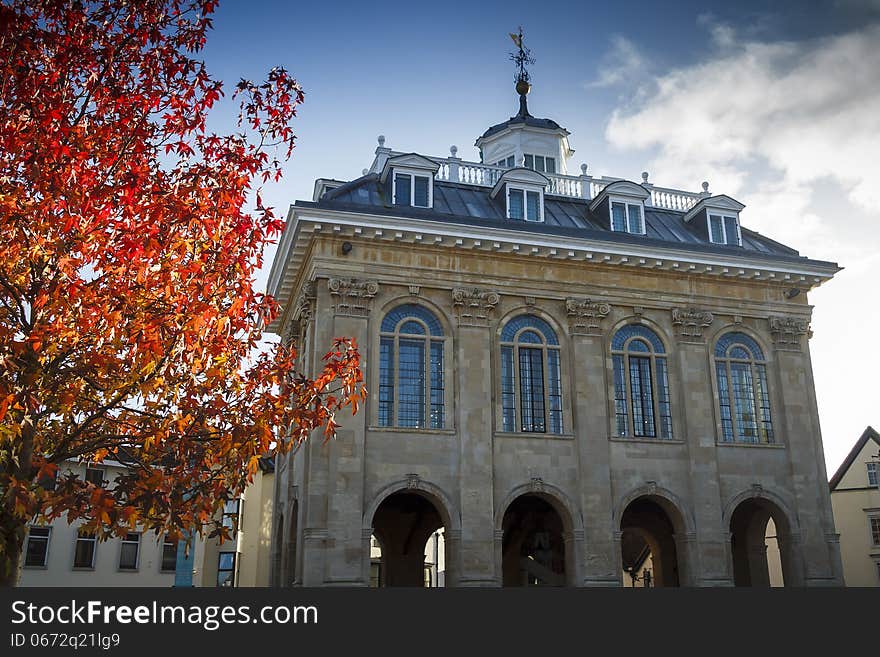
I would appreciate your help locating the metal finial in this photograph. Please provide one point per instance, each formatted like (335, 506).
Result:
(365, 172)
(381, 140)
(583, 169)
(705, 186)
(644, 176)
(453, 150)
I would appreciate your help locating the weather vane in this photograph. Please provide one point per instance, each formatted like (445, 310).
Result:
(522, 57)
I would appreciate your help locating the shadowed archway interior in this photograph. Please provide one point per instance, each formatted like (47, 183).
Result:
(647, 543)
(757, 557)
(402, 525)
(533, 545)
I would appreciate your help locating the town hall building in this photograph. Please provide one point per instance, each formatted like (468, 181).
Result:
(573, 380)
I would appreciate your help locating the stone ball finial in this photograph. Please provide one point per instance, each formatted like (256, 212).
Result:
(583, 169)
(644, 176)
(706, 186)
(381, 140)
(364, 172)
(453, 150)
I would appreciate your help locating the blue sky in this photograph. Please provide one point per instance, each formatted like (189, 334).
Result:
(774, 103)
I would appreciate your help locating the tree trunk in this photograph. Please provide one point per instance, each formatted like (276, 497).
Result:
(12, 531)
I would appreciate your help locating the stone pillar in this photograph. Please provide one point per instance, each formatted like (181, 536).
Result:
(600, 549)
(708, 561)
(799, 425)
(473, 376)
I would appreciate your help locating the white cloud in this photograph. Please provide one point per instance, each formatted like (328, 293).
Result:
(810, 110)
(792, 129)
(623, 64)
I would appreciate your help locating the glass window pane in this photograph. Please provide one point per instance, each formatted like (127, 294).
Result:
(620, 396)
(555, 390)
(37, 546)
(730, 228)
(724, 402)
(128, 555)
(394, 317)
(226, 560)
(515, 203)
(531, 385)
(634, 213)
(636, 330)
(508, 402)
(663, 399)
(421, 195)
(411, 384)
(169, 554)
(533, 206)
(529, 162)
(642, 396)
(530, 337)
(551, 165)
(764, 401)
(386, 382)
(744, 402)
(618, 216)
(539, 163)
(521, 321)
(84, 554)
(401, 189)
(716, 231)
(437, 392)
(413, 328)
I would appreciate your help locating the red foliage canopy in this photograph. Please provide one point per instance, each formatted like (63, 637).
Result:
(128, 315)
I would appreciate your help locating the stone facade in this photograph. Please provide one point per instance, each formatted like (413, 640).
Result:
(472, 472)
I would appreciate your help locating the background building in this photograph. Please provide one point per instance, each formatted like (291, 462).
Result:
(569, 374)
(855, 498)
(60, 554)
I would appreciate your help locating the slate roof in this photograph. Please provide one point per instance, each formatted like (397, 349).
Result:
(470, 205)
(868, 434)
(531, 121)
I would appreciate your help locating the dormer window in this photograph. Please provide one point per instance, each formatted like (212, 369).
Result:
(524, 204)
(412, 189)
(627, 218)
(519, 193)
(540, 163)
(508, 163)
(724, 229)
(409, 180)
(622, 204)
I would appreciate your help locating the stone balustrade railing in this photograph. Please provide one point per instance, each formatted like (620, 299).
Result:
(454, 169)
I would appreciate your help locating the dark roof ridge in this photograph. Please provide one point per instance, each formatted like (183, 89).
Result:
(869, 432)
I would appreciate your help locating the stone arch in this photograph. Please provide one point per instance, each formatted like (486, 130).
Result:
(561, 333)
(554, 495)
(666, 499)
(656, 327)
(564, 541)
(656, 531)
(747, 516)
(402, 516)
(404, 299)
(713, 334)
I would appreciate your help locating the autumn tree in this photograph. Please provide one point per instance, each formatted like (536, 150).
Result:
(130, 237)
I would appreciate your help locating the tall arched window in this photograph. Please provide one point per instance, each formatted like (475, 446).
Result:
(641, 384)
(530, 379)
(411, 385)
(743, 399)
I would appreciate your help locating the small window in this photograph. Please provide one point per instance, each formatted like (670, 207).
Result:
(627, 218)
(37, 548)
(226, 569)
(540, 163)
(169, 554)
(872, 474)
(128, 553)
(508, 162)
(230, 515)
(875, 531)
(95, 476)
(724, 230)
(412, 190)
(84, 554)
(524, 204)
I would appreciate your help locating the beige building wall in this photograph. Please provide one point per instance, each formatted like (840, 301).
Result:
(472, 471)
(855, 502)
(60, 571)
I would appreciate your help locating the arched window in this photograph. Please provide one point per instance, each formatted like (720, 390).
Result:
(530, 379)
(411, 379)
(743, 399)
(641, 384)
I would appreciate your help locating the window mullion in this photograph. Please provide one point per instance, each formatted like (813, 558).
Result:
(731, 399)
(426, 406)
(545, 364)
(655, 392)
(628, 394)
(395, 378)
